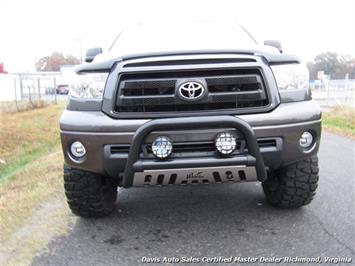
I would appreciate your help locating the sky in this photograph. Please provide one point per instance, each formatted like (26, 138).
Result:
(31, 29)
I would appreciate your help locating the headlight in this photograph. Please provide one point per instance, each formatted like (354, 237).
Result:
(88, 85)
(291, 76)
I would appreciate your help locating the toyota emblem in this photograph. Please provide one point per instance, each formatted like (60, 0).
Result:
(191, 90)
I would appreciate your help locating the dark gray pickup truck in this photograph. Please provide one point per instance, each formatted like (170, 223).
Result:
(192, 104)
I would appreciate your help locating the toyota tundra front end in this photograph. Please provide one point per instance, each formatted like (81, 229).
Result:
(209, 106)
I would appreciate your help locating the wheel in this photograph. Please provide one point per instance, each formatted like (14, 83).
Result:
(293, 186)
(89, 194)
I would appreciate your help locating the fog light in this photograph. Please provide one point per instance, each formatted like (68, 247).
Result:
(77, 149)
(162, 147)
(225, 143)
(306, 140)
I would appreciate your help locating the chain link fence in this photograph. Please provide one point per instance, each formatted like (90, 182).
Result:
(48, 87)
(333, 93)
(21, 91)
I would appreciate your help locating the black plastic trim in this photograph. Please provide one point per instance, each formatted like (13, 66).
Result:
(83, 104)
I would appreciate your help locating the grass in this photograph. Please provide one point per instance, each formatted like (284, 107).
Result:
(30, 163)
(24, 136)
(21, 106)
(31, 186)
(340, 120)
(31, 210)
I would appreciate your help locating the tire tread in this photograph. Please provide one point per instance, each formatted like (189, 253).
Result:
(89, 194)
(293, 186)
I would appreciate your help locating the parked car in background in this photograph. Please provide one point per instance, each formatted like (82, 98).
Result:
(62, 89)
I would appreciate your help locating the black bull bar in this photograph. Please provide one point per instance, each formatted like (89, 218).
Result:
(135, 164)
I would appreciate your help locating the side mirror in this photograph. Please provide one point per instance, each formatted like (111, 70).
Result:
(274, 43)
(91, 53)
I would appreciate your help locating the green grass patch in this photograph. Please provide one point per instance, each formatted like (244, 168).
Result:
(31, 164)
(25, 136)
(27, 189)
(8, 171)
(340, 120)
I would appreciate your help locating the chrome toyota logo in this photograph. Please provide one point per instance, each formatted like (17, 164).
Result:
(191, 90)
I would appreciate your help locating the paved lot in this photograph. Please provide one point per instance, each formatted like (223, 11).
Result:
(220, 220)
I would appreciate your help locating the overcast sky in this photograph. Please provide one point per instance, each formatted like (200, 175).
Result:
(35, 28)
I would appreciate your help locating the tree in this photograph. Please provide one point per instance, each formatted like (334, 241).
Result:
(54, 61)
(334, 65)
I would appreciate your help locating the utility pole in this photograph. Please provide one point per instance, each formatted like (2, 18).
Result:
(21, 86)
(15, 86)
(81, 51)
(55, 90)
(80, 40)
(39, 88)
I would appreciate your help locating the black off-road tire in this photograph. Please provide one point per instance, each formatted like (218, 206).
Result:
(293, 186)
(89, 194)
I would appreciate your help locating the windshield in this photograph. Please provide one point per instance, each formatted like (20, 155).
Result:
(172, 37)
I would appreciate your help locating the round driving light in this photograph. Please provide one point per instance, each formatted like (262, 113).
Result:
(77, 149)
(225, 143)
(306, 140)
(162, 147)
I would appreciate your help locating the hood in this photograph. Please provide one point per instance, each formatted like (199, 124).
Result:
(143, 41)
(106, 61)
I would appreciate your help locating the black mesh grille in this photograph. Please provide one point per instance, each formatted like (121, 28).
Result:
(155, 92)
(148, 87)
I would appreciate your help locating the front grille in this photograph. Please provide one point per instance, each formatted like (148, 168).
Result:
(156, 92)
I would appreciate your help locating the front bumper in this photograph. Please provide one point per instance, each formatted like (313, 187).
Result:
(135, 164)
(99, 132)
